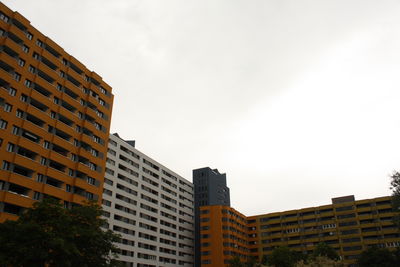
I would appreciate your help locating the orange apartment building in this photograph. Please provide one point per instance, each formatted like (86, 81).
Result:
(348, 225)
(54, 121)
(224, 233)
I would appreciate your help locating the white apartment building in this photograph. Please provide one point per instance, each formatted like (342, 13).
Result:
(150, 206)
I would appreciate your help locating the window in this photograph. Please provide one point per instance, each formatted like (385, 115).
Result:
(23, 98)
(36, 195)
(89, 195)
(3, 124)
(94, 152)
(29, 35)
(28, 83)
(106, 203)
(4, 17)
(107, 192)
(32, 69)
(25, 48)
(40, 178)
(10, 147)
(100, 114)
(7, 107)
(43, 161)
(96, 139)
(91, 181)
(39, 43)
(92, 166)
(108, 181)
(112, 152)
(12, 91)
(46, 144)
(109, 171)
(17, 76)
(112, 162)
(68, 188)
(62, 74)
(36, 56)
(5, 165)
(21, 62)
(15, 130)
(19, 113)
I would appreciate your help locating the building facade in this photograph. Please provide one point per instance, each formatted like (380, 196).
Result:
(54, 121)
(348, 225)
(224, 234)
(150, 206)
(210, 189)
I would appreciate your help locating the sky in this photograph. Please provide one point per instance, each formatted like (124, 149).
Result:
(296, 101)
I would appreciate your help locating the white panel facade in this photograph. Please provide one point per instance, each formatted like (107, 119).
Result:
(150, 206)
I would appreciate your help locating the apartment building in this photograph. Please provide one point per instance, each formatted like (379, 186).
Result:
(150, 206)
(54, 120)
(224, 234)
(348, 225)
(210, 189)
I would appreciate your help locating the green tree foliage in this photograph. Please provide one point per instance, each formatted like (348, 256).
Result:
(395, 187)
(251, 262)
(378, 257)
(322, 249)
(49, 235)
(284, 257)
(235, 262)
(319, 261)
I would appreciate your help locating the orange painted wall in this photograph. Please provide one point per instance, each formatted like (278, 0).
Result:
(224, 234)
(51, 89)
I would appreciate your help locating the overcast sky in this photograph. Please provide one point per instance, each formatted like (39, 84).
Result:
(296, 101)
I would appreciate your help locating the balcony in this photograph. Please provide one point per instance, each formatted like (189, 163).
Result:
(12, 45)
(37, 106)
(14, 203)
(39, 87)
(49, 63)
(60, 150)
(18, 189)
(52, 51)
(34, 120)
(46, 77)
(9, 57)
(57, 166)
(16, 36)
(39, 99)
(27, 153)
(55, 191)
(71, 93)
(23, 171)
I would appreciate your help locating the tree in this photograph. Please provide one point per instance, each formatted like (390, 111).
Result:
(252, 262)
(377, 257)
(235, 262)
(283, 257)
(322, 249)
(319, 261)
(49, 235)
(395, 187)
